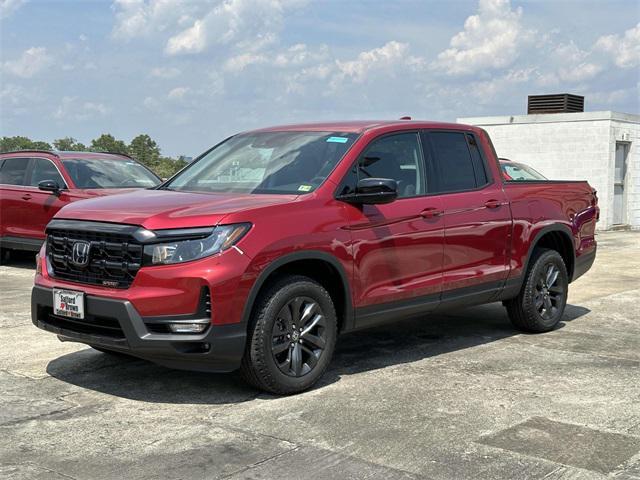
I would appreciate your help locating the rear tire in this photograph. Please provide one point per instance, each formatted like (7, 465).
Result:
(540, 304)
(292, 336)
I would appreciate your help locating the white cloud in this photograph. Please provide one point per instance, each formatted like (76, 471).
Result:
(14, 95)
(579, 73)
(31, 62)
(242, 61)
(619, 96)
(177, 93)
(8, 7)
(296, 56)
(72, 108)
(191, 27)
(248, 25)
(165, 72)
(151, 103)
(301, 54)
(137, 18)
(384, 57)
(491, 39)
(625, 50)
(191, 40)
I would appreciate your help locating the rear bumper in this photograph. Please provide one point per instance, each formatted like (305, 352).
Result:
(116, 325)
(584, 263)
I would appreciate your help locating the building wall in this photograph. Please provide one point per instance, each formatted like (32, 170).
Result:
(573, 146)
(629, 132)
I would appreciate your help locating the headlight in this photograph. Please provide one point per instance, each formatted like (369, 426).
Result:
(222, 238)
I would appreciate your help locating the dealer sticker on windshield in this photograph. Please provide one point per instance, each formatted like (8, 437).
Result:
(68, 303)
(337, 139)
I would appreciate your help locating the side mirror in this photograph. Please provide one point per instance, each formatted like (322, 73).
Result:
(50, 186)
(374, 191)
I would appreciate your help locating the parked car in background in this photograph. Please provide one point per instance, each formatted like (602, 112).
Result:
(257, 254)
(34, 185)
(512, 171)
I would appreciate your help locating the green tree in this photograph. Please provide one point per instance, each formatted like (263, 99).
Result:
(69, 144)
(108, 143)
(10, 144)
(166, 166)
(145, 150)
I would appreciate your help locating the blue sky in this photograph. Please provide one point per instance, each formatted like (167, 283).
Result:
(189, 73)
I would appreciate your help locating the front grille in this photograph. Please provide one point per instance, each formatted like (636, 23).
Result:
(91, 324)
(114, 258)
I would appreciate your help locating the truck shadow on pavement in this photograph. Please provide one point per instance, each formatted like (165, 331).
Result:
(19, 259)
(357, 352)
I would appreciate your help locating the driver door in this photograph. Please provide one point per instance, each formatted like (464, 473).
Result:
(397, 247)
(41, 206)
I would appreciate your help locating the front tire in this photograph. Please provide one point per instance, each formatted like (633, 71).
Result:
(540, 304)
(292, 336)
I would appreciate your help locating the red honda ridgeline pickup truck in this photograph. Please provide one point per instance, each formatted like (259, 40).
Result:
(260, 252)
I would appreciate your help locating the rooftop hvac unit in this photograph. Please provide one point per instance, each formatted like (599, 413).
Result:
(557, 103)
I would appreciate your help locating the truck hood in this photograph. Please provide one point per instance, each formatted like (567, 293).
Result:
(78, 193)
(160, 209)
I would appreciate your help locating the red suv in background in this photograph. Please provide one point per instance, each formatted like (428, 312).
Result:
(261, 251)
(34, 185)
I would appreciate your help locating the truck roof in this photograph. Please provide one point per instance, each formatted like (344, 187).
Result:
(69, 154)
(360, 126)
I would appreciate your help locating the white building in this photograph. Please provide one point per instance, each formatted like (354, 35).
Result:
(600, 147)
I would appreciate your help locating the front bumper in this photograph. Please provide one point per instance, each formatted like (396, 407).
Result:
(115, 324)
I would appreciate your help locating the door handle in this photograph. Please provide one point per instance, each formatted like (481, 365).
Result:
(26, 196)
(431, 212)
(492, 204)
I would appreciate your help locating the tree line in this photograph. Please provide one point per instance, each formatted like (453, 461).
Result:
(143, 148)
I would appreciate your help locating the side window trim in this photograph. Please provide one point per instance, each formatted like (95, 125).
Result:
(425, 134)
(422, 160)
(483, 163)
(31, 167)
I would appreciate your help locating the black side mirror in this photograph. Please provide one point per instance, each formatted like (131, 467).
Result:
(374, 191)
(50, 186)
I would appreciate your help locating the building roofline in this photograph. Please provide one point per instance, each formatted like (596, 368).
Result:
(551, 118)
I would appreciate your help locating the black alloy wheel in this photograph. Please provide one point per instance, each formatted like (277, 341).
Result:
(291, 336)
(542, 299)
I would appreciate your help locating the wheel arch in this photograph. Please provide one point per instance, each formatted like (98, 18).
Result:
(556, 237)
(320, 266)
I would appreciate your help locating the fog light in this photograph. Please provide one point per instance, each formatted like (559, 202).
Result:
(187, 327)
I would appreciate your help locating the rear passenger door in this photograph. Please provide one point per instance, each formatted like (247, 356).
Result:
(477, 219)
(13, 174)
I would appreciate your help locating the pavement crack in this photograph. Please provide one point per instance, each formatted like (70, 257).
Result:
(37, 417)
(261, 462)
(56, 472)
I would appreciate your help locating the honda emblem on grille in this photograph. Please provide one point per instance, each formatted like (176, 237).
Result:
(80, 254)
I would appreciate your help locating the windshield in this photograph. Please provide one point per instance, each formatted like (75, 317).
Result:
(108, 173)
(518, 171)
(266, 162)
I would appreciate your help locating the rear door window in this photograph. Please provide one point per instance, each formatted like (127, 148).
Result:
(456, 161)
(13, 171)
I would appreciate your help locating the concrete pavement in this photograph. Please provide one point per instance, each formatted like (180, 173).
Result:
(457, 396)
